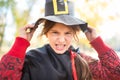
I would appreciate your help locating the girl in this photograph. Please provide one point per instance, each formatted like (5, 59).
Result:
(58, 60)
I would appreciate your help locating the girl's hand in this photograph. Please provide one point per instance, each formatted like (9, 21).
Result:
(91, 34)
(24, 33)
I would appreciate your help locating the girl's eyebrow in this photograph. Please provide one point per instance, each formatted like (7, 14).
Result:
(53, 30)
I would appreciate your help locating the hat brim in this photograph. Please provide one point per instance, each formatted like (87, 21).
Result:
(65, 19)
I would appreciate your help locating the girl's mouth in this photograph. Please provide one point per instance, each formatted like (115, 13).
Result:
(60, 47)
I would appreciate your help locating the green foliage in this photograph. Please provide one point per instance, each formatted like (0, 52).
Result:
(6, 3)
(22, 17)
(4, 6)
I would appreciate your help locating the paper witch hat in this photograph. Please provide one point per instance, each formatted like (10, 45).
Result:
(61, 11)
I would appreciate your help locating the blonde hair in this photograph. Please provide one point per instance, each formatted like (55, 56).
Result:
(82, 68)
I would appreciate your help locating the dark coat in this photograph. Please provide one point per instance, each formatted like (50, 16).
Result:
(44, 64)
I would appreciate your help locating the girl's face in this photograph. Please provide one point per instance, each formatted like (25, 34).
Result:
(60, 37)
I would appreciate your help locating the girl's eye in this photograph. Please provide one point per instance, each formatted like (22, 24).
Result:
(54, 32)
(68, 33)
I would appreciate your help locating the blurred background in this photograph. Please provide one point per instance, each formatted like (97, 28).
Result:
(104, 15)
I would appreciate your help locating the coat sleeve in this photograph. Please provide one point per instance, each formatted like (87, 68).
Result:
(108, 65)
(11, 63)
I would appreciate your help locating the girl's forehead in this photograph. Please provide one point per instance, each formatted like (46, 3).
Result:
(61, 26)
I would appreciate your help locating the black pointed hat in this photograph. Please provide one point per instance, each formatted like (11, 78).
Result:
(61, 11)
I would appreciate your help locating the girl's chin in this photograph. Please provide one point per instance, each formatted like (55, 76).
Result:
(60, 52)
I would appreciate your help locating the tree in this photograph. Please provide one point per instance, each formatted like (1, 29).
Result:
(20, 18)
(4, 6)
(89, 12)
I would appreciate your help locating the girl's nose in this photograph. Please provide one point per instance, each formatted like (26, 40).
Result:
(61, 39)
